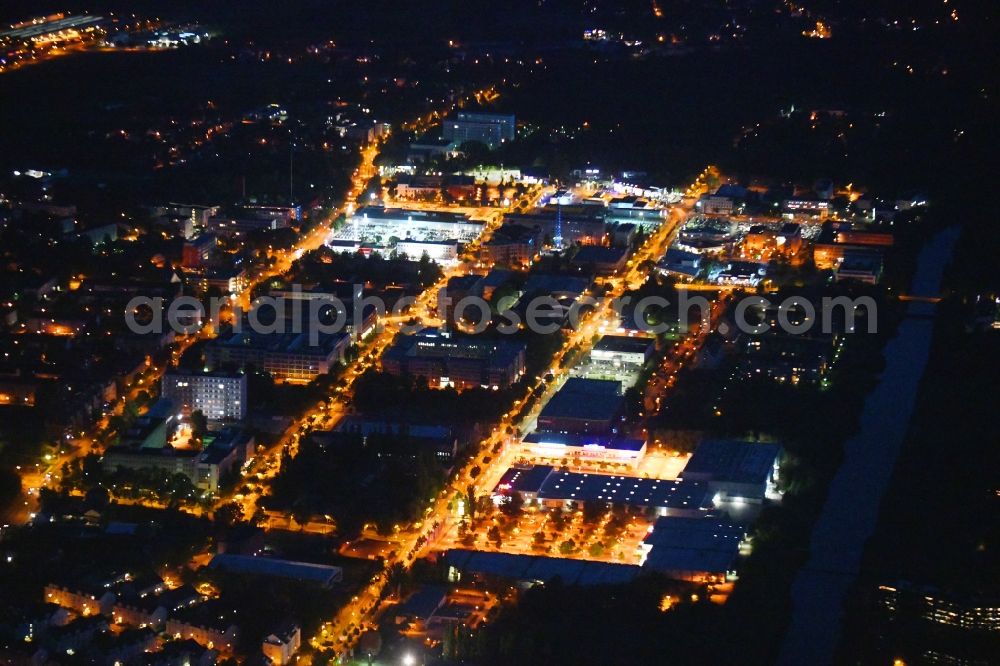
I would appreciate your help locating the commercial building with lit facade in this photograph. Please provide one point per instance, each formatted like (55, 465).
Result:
(706, 235)
(808, 207)
(637, 211)
(584, 448)
(439, 251)
(624, 351)
(712, 204)
(383, 230)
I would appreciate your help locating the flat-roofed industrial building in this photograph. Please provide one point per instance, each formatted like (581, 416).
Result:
(623, 350)
(321, 575)
(554, 488)
(699, 549)
(585, 406)
(735, 471)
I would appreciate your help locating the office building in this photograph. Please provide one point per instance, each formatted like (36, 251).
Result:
(197, 214)
(787, 358)
(197, 252)
(624, 234)
(488, 128)
(807, 207)
(934, 606)
(288, 357)
(393, 439)
(244, 225)
(634, 210)
(227, 280)
(860, 265)
(462, 362)
(219, 395)
(419, 187)
(713, 204)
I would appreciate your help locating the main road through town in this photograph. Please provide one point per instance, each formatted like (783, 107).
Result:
(47, 472)
(418, 539)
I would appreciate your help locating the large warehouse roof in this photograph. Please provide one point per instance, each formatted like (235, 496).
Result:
(533, 568)
(681, 545)
(548, 483)
(321, 574)
(732, 461)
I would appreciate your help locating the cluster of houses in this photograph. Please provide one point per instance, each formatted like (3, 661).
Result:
(135, 619)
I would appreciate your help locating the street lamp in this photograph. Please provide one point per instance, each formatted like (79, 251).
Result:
(409, 660)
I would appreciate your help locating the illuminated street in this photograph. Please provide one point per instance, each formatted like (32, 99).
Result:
(562, 333)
